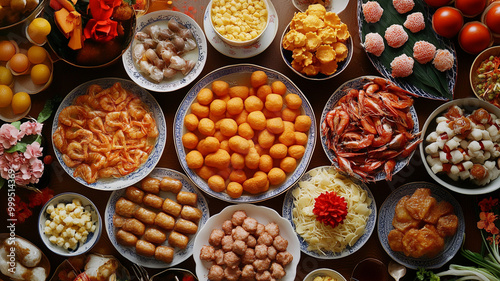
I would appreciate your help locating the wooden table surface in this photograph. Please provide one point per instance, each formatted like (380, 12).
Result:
(67, 77)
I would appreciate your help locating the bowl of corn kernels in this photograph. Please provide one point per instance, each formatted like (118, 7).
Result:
(69, 224)
(239, 23)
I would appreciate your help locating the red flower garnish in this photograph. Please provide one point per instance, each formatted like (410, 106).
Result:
(487, 204)
(40, 198)
(22, 210)
(487, 222)
(330, 209)
(101, 30)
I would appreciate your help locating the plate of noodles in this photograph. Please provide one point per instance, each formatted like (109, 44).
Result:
(324, 241)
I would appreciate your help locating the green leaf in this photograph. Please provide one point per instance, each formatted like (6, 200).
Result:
(16, 124)
(425, 76)
(19, 147)
(48, 108)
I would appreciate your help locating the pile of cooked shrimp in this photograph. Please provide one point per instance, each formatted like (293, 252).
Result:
(105, 133)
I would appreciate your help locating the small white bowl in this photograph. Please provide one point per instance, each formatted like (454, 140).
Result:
(462, 187)
(92, 238)
(324, 272)
(239, 43)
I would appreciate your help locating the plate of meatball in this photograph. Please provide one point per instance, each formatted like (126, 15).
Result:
(245, 241)
(421, 225)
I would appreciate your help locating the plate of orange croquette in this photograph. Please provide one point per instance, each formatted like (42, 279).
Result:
(244, 133)
(154, 222)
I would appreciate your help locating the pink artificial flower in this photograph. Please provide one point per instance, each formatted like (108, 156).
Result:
(9, 135)
(33, 150)
(36, 169)
(30, 128)
(20, 180)
(4, 167)
(15, 160)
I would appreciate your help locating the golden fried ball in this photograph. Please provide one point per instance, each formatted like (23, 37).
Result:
(216, 183)
(266, 139)
(239, 144)
(199, 110)
(276, 176)
(263, 91)
(218, 107)
(260, 150)
(219, 159)
(245, 130)
(206, 172)
(293, 101)
(237, 161)
(287, 137)
(206, 127)
(278, 151)
(208, 145)
(278, 87)
(191, 122)
(237, 176)
(234, 190)
(274, 102)
(258, 78)
(252, 158)
(228, 127)
(225, 173)
(289, 114)
(275, 125)
(239, 92)
(220, 88)
(289, 126)
(256, 184)
(257, 120)
(225, 145)
(300, 138)
(265, 163)
(271, 114)
(235, 106)
(296, 151)
(218, 135)
(205, 96)
(302, 123)
(189, 140)
(241, 118)
(288, 164)
(194, 159)
(253, 103)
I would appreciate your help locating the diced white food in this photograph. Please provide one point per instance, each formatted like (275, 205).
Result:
(455, 170)
(474, 146)
(456, 156)
(432, 148)
(441, 119)
(452, 144)
(442, 128)
(443, 157)
(467, 165)
(464, 175)
(476, 134)
(432, 160)
(488, 145)
(432, 137)
(436, 168)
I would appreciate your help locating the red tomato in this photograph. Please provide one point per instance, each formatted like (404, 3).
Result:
(447, 21)
(437, 3)
(474, 37)
(470, 8)
(492, 18)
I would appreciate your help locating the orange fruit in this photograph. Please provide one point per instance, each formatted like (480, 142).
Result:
(7, 50)
(38, 30)
(20, 102)
(19, 62)
(36, 54)
(5, 96)
(6, 77)
(40, 74)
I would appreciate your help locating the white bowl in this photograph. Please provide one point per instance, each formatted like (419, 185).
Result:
(92, 238)
(463, 187)
(239, 43)
(324, 272)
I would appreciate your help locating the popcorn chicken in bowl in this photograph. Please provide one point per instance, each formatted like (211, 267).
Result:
(239, 22)
(316, 44)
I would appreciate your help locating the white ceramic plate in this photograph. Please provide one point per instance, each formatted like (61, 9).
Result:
(180, 254)
(335, 6)
(167, 85)
(384, 226)
(263, 215)
(288, 205)
(242, 52)
(357, 83)
(92, 238)
(463, 187)
(234, 74)
(109, 184)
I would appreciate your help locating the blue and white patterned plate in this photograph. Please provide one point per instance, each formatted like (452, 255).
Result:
(110, 184)
(247, 51)
(240, 74)
(180, 255)
(384, 226)
(167, 85)
(263, 215)
(89, 206)
(288, 205)
(389, 11)
(357, 83)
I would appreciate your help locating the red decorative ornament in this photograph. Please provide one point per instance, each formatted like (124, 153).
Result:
(330, 209)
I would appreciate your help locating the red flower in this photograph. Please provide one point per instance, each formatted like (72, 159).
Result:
(103, 9)
(487, 204)
(487, 222)
(22, 210)
(40, 198)
(101, 30)
(490, 239)
(330, 209)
